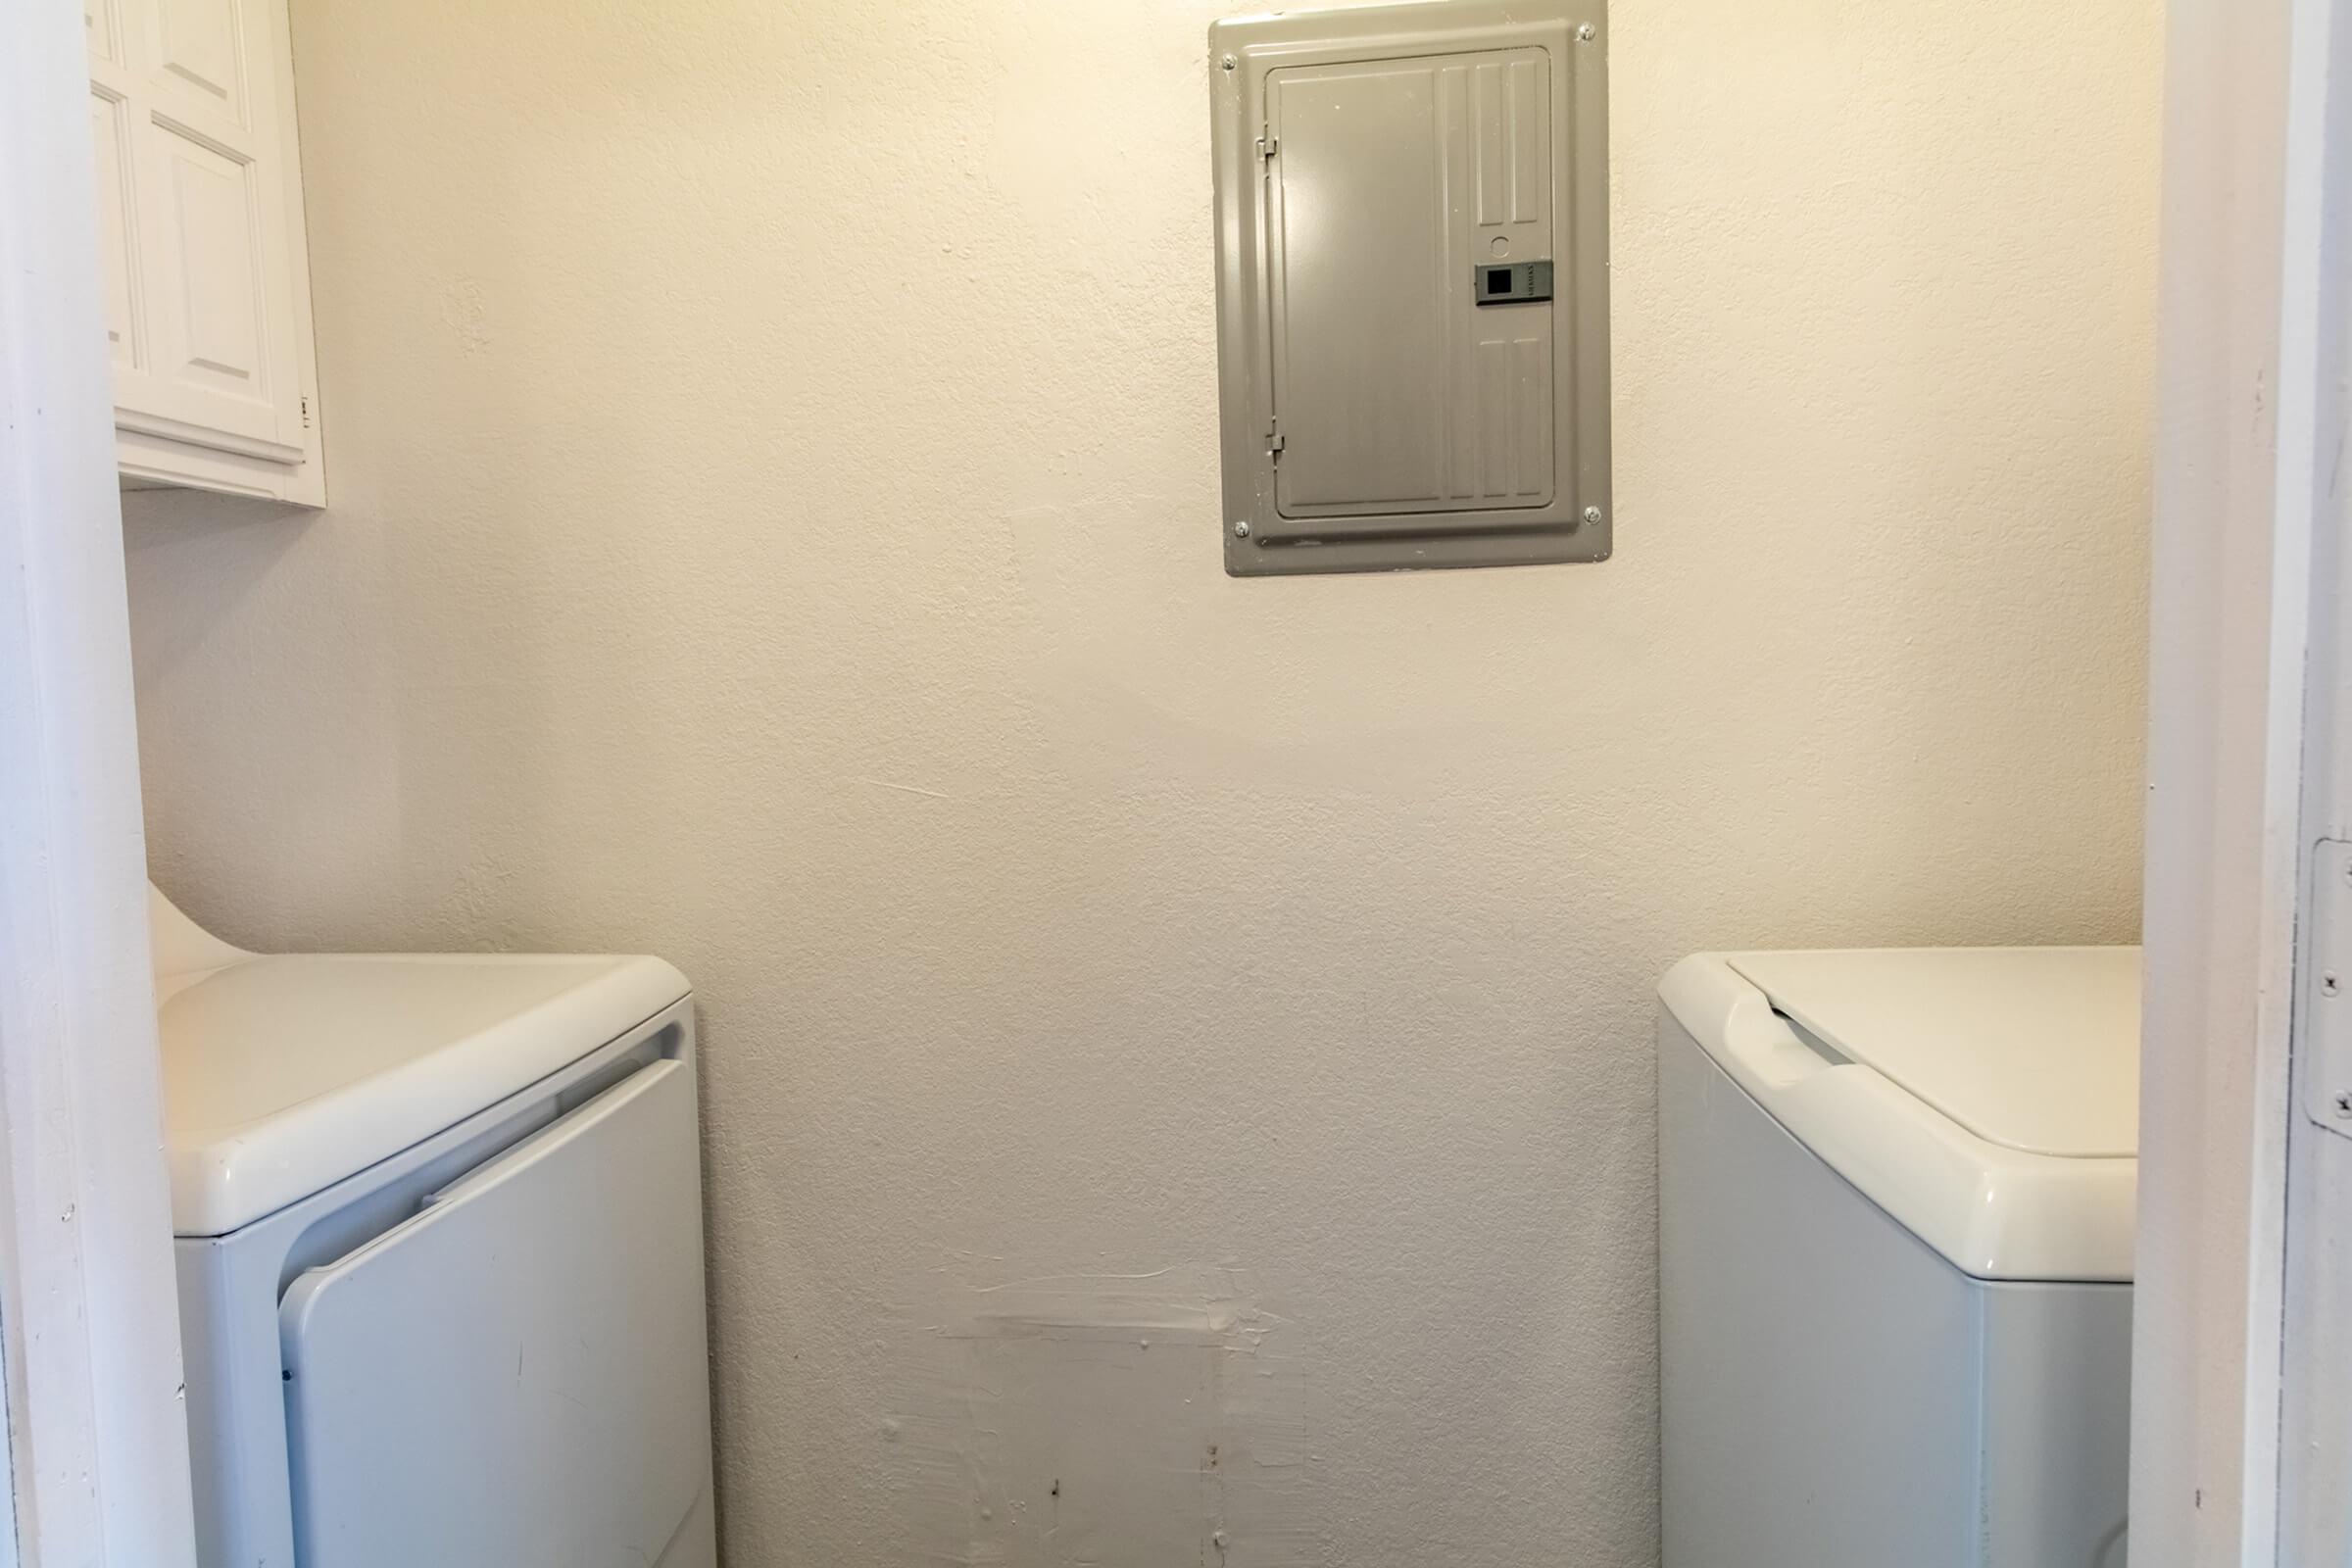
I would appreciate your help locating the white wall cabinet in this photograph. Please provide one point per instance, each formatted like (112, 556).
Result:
(206, 286)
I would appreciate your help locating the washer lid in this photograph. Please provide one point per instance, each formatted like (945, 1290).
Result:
(2036, 1049)
(1985, 1099)
(284, 1076)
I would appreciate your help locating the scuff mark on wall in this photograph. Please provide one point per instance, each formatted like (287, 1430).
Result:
(908, 789)
(1101, 1420)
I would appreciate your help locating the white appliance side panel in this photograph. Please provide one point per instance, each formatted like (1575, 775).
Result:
(236, 1410)
(517, 1378)
(2057, 1425)
(1819, 1365)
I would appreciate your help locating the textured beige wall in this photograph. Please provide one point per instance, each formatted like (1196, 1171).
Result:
(775, 506)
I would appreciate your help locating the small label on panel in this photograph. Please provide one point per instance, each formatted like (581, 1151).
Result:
(1512, 282)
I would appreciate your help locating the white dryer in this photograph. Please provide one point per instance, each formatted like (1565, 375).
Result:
(440, 1256)
(1895, 1200)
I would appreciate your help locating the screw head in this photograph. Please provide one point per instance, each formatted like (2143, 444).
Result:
(2329, 984)
(1591, 513)
(1240, 528)
(1585, 32)
(1229, 62)
(2344, 1106)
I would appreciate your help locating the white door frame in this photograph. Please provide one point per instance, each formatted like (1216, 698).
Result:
(2246, 1200)
(2315, 489)
(97, 1452)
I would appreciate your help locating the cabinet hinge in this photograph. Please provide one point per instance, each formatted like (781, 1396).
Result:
(1274, 440)
(306, 410)
(1267, 142)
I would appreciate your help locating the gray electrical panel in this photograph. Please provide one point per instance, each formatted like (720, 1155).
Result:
(1412, 286)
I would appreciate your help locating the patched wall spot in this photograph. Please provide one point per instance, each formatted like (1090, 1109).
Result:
(1107, 1418)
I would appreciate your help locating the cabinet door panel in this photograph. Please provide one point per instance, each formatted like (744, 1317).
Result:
(207, 307)
(213, 250)
(199, 54)
(103, 29)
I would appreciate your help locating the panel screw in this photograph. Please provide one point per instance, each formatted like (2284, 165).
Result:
(2343, 1106)
(1229, 62)
(1585, 32)
(1240, 528)
(2328, 984)
(1591, 513)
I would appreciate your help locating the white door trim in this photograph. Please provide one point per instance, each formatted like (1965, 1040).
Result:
(97, 1437)
(2315, 499)
(2241, 1196)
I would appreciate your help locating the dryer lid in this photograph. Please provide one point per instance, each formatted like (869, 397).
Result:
(284, 1076)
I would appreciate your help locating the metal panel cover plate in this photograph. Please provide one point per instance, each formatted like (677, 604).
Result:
(1413, 286)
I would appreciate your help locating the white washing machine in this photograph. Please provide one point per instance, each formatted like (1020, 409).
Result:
(1896, 1200)
(440, 1255)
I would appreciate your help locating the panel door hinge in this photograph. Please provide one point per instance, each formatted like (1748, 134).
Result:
(1267, 142)
(1274, 440)
(306, 410)
(2323, 967)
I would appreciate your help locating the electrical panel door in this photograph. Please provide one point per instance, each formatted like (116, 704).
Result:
(1402, 182)
(1413, 291)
